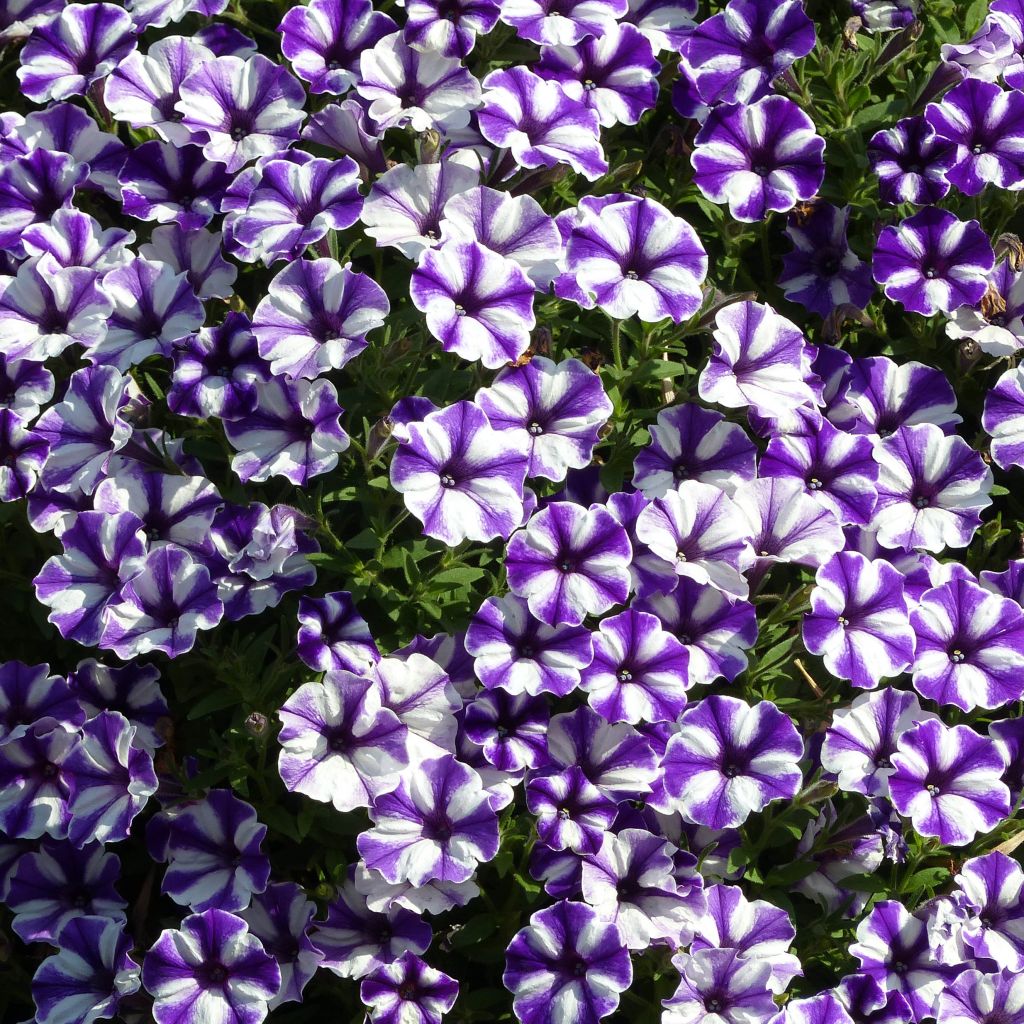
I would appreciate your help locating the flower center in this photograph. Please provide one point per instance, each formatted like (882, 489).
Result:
(842, 620)
(814, 484)
(624, 675)
(460, 310)
(921, 501)
(447, 480)
(730, 771)
(957, 656)
(932, 789)
(565, 565)
(535, 429)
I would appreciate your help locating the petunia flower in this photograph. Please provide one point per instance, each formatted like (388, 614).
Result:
(698, 531)
(89, 975)
(554, 411)
(933, 262)
(111, 780)
(911, 162)
(162, 606)
(516, 652)
(759, 359)
(822, 273)
(333, 635)
(241, 109)
(281, 917)
(71, 238)
(33, 187)
(154, 307)
(197, 255)
(101, 553)
(615, 757)
(132, 690)
(25, 386)
(59, 883)
(994, 886)
(893, 947)
(339, 744)
(86, 428)
(569, 562)
(295, 431)
(296, 205)
(216, 371)
(212, 967)
(449, 27)
(477, 304)
(985, 125)
(715, 629)
(405, 205)
(947, 781)
(316, 316)
(356, 939)
(932, 489)
(758, 931)
(438, 824)
(635, 258)
(557, 22)
(572, 813)
(758, 157)
(405, 86)
(511, 729)
(785, 524)
(970, 646)
(512, 226)
(324, 40)
(730, 759)
(614, 73)
(733, 56)
(539, 122)
(996, 323)
(23, 454)
(43, 312)
(630, 880)
(640, 672)
(881, 396)
(718, 986)
(81, 45)
(1003, 418)
(974, 997)
(862, 738)
(458, 478)
(407, 991)
(29, 694)
(689, 442)
(859, 621)
(142, 90)
(566, 962)
(172, 185)
(34, 790)
(836, 467)
(212, 847)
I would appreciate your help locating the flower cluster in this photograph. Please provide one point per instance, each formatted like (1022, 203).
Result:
(510, 511)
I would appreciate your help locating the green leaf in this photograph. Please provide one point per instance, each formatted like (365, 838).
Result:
(216, 701)
(461, 575)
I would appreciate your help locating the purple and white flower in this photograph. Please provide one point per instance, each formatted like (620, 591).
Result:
(947, 780)
(729, 759)
(569, 562)
(759, 157)
(458, 477)
(407, 991)
(933, 261)
(554, 411)
(760, 359)
(339, 744)
(539, 122)
(438, 824)
(970, 646)
(932, 489)
(859, 621)
(567, 964)
(477, 304)
(211, 968)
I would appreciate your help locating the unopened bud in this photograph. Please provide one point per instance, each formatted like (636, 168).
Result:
(832, 329)
(380, 435)
(256, 724)
(968, 353)
(899, 43)
(430, 146)
(540, 341)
